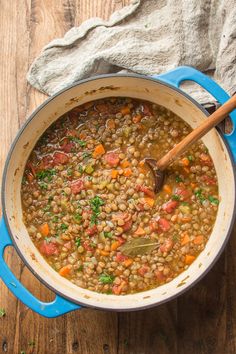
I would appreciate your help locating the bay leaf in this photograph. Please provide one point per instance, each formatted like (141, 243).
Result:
(138, 246)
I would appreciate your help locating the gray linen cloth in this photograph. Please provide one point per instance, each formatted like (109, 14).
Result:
(147, 37)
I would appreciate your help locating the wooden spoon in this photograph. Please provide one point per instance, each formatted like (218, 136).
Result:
(158, 167)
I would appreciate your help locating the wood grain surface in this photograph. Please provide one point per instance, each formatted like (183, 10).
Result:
(201, 321)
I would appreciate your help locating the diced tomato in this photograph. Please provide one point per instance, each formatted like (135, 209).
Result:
(127, 225)
(121, 240)
(170, 206)
(46, 162)
(77, 186)
(144, 269)
(145, 190)
(29, 177)
(167, 245)
(112, 158)
(48, 248)
(120, 257)
(59, 158)
(87, 246)
(205, 159)
(140, 207)
(208, 180)
(31, 168)
(146, 110)
(160, 276)
(183, 193)
(92, 230)
(67, 145)
(117, 289)
(164, 224)
(68, 245)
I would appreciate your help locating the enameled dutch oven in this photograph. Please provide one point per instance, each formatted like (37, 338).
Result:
(162, 90)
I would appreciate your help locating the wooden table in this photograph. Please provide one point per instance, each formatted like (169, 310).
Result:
(201, 321)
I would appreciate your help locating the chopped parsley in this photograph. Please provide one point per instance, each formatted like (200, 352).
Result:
(50, 199)
(80, 269)
(185, 203)
(69, 171)
(78, 241)
(86, 154)
(82, 143)
(48, 239)
(175, 238)
(47, 207)
(213, 200)
(63, 227)
(80, 169)
(190, 158)
(175, 197)
(107, 234)
(55, 218)
(2, 312)
(46, 174)
(43, 185)
(106, 278)
(77, 217)
(178, 179)
(199, 195)
(95, 204)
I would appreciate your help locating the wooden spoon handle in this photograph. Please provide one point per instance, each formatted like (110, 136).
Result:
(197, 133)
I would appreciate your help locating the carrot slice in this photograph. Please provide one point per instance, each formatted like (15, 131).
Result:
(127, 172)
(139, 232)
(44, 229)
(167, 188)
(185, 239)
(149, 201)
(65, 270)
(82, 136)
(115, 245)
(104, 253)
(125, 110)
(198, 240)
(185, 219)
(187, 170)
(114, 173)
(189, 259)
(125, 164)
(184, 162)
(98, 151)
(128, 262)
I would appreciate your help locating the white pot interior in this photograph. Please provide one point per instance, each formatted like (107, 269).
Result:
(131, 86)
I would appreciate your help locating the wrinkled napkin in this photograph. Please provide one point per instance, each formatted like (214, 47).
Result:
(147, 37)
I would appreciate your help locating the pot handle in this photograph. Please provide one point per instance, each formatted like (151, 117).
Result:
(187, 73)
(57, 307)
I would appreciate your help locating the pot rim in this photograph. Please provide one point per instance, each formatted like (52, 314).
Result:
(3, 194)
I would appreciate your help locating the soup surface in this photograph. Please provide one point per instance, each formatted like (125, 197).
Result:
(88, 200)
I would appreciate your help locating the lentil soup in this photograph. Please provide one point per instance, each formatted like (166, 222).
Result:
(88, 200)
